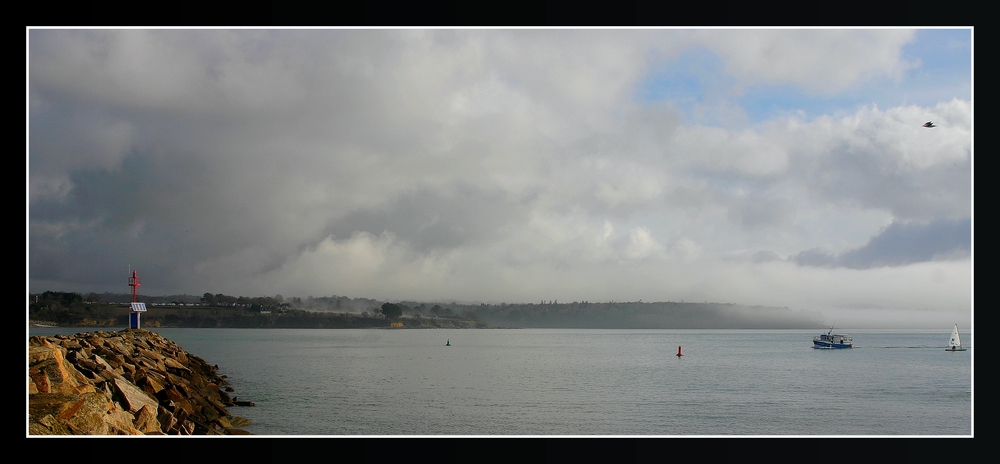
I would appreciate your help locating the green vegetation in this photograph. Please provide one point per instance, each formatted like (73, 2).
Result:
(220, 310)
(638, 315)
(71, 309)
(392, 311)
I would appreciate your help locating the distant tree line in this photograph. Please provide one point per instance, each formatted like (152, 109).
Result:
(276, 302)
(64, 306)
(59, 300)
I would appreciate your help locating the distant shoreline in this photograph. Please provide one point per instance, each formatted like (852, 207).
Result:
(576, 315)
(321, 324)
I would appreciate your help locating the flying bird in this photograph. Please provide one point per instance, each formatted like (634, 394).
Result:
(929, 124)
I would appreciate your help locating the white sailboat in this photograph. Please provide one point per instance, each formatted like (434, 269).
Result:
(955, 343)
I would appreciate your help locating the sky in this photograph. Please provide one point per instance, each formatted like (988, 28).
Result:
(776, 167)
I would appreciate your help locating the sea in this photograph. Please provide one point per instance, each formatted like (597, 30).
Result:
(587, 382)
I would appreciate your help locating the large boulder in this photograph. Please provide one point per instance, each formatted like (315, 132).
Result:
(133, 382)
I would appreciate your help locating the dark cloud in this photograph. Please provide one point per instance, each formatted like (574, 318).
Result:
(429, 219)
(899, 244)
(905, 243)
(764, 256)
(757, 210)
(814, 257)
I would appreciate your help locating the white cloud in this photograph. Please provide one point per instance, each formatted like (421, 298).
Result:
(686, 250)
(642, 245)
(628, 183)
(885, 159)
(819, 60)
(379, 266)
(718, 149)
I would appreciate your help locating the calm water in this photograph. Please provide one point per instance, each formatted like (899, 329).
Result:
(587, 382)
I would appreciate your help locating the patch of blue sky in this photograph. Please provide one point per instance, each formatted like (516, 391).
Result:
(696, 80)
(945, 67)
(697, 83)
(942, 51)
(762, 102)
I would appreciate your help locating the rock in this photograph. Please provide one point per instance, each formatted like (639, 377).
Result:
(132, 382)
(50, 372)
(86, 415)
(132, 397)
(239, 421)
(169, 362)
(146, 420)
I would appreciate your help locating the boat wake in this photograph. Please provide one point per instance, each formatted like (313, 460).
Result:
(933, 347)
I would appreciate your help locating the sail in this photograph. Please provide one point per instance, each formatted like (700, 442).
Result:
(956, 340)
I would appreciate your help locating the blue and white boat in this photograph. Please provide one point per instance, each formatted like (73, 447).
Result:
(832, 340)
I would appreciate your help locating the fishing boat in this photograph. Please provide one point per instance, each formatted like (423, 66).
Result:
(955, 343)
(832, 340)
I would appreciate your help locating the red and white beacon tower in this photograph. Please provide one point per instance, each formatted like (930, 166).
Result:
(137, 308)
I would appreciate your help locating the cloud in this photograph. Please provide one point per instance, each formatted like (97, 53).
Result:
(716, 149)
(481, 164)
(901, 244)
(818, 60)
(429, 219)
(764, 256)
(885, 159)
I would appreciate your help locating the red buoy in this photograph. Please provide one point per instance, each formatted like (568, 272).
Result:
(679, 353)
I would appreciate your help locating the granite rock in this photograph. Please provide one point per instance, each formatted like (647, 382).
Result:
(133, 382)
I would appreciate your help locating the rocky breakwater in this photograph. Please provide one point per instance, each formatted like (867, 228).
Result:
(133, 382)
